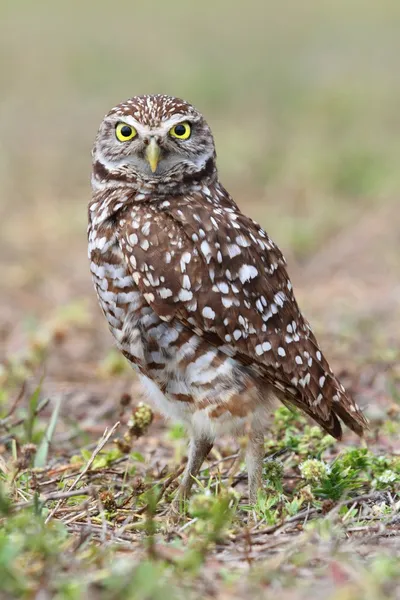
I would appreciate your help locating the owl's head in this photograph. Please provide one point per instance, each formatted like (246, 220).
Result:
(153, 140)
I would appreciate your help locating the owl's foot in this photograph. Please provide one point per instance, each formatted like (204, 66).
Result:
(176, 513)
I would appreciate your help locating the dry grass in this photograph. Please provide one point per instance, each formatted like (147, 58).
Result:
(303, 99)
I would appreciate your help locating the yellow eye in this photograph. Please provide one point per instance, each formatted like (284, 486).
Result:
(125, 132)
(181, 131)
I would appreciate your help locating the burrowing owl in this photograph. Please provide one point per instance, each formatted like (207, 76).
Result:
(195, 293)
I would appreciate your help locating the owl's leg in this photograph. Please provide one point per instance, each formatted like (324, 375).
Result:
(254, 461)
(199, 448)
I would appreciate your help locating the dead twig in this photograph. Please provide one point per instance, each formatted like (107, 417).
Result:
(164, 487)
(103, 441)
(88, 491)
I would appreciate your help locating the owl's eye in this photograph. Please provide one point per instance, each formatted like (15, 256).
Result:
(181, 131)
(125, 132)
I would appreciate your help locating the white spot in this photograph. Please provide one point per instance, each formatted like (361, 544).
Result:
(214, 222)
(280, 298)
(299, 360)
(233, 250)
(146, 228)
(259, 306)
(165, 292)
(185, 295)
(144, 244)
(237, 334)
(206, 250)
(192, 306)
(223, 287)
(318, 355)
(266, 346)
(208, 312)
(133, 239)
(321, 381)
(305, 381)
(186, 282)
(227, 302)
(267, 316)
(149, 297)
(185, 260)
(247, 272)
(241, 241)
(281, 351)
(154, 280)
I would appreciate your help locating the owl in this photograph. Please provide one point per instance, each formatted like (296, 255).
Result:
(196, 294)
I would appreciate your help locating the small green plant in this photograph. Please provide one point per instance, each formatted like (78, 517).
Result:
(314, 470)
(266, 507)
(212, 514)
(338, 482)
(273, 474)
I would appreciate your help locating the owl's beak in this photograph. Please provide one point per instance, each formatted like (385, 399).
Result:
(153, 154)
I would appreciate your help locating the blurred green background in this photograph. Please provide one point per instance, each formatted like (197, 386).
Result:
(303, 98)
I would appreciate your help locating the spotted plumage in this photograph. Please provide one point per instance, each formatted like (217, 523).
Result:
(195, 293)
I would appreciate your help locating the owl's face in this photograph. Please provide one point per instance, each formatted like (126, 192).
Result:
(153, 139)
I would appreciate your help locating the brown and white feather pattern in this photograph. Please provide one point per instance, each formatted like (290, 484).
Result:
(198, 299)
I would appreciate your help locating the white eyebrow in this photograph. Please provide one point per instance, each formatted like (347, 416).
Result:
(164, 127)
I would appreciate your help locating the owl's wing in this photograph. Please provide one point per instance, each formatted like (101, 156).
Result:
(217, 271)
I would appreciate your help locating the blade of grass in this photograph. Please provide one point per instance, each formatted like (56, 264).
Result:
(32, 411)
(43, 450)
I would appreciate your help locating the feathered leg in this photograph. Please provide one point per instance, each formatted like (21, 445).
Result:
(199, 448)
(254, 461)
